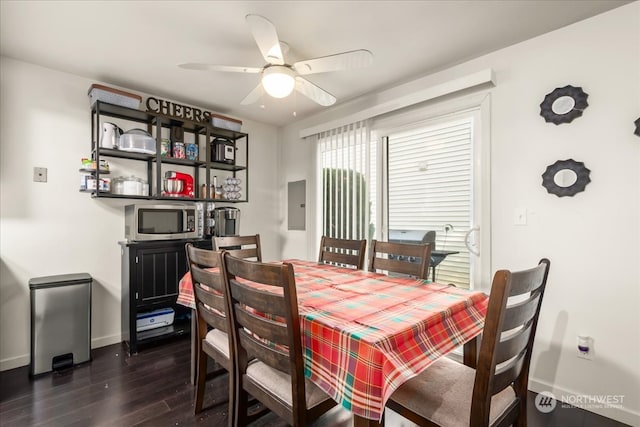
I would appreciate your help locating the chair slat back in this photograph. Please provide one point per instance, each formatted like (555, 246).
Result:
(512, 345)
(508, 335)
(208, 288)
(520, 313)
(342, 252)
(400, 258)
(266, 327)
(507, 375)
(266, 339)
(245, 247)
(263, 318)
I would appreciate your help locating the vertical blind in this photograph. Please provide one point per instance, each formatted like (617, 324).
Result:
(345, 156)
(430, 188)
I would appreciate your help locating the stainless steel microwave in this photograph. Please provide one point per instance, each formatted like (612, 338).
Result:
(161, 222)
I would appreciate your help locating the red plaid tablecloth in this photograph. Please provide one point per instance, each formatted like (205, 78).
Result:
(366, 333)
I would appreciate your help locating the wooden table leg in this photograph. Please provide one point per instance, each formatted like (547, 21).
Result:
(194, 349)
(364, 422)
(470, 352)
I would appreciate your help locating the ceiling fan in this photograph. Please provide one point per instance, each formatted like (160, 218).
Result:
(279, 79)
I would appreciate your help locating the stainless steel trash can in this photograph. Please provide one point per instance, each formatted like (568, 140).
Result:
(60, 321)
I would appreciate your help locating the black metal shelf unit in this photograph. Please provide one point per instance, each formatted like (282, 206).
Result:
(155, 162)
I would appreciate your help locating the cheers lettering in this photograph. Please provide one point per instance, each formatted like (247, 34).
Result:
(177, 110)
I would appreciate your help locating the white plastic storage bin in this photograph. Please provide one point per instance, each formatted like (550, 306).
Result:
(226, 122)
(113, 96)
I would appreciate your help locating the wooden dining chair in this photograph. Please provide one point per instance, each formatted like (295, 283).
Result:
(342, 252)
(495, 393)
(404, 258)
(266, 326)
(246, 247)
(213, 339)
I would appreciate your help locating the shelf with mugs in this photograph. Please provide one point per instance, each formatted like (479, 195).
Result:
(160, 159)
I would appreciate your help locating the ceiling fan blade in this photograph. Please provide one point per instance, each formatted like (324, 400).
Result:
(253, 96)
(314, 93)
(212, 67)
(266, 37)
(340, 61)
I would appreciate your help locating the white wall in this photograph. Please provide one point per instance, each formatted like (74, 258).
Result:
(592, 239)
(51, 228)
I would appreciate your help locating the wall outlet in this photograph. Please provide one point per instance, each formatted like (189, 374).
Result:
(585, 347)
(39, 174)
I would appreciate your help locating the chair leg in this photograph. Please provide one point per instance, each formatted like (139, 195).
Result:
(232, 401)
(241, 405)
(521, 418)
(201, 380)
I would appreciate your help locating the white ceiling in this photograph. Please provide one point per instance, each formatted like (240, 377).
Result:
(137, 44)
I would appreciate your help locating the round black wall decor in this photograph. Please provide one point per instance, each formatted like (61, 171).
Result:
(563, 104)
(566, 178)
(637, 131)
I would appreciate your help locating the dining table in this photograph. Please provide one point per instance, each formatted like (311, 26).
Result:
(366, 333)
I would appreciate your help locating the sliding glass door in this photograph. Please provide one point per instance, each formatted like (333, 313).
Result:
(401, 178)
(429, 186)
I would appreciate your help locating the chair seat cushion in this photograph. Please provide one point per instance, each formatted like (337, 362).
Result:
(218, 340)
(279, 384)
(443, 392)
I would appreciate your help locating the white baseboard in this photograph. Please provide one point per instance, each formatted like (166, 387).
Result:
(105, 341)
(14, 362)
(618, 413)
(24, 360)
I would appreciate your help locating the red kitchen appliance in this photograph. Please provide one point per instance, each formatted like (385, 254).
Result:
(177, 184)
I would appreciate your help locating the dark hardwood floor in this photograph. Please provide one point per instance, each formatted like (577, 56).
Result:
(152, 388)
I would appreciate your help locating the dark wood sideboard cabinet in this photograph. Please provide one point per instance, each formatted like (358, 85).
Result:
(151, 272)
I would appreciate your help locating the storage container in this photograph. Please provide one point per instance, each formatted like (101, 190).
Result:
(165, 147)
(192, 151)
(179, 150)
(226, 122)
(113, 96)
(88, 182)
(130, 186)
(138, 141)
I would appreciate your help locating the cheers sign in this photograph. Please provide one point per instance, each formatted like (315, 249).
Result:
(178, 111)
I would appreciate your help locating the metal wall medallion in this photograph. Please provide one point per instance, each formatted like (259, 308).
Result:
(637, 122)
(563, 104)
(566, 178)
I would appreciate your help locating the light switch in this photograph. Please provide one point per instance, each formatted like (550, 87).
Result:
(520, 216)
(39, 174)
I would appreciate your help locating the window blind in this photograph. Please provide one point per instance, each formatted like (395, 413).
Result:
(430, 188)
(345, 156)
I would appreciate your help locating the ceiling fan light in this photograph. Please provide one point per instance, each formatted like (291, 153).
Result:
(278, 81)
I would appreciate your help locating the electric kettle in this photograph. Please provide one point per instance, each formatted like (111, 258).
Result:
(110, 137)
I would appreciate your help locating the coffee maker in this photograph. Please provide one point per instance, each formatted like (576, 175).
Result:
(226, 221)
(177, 184)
